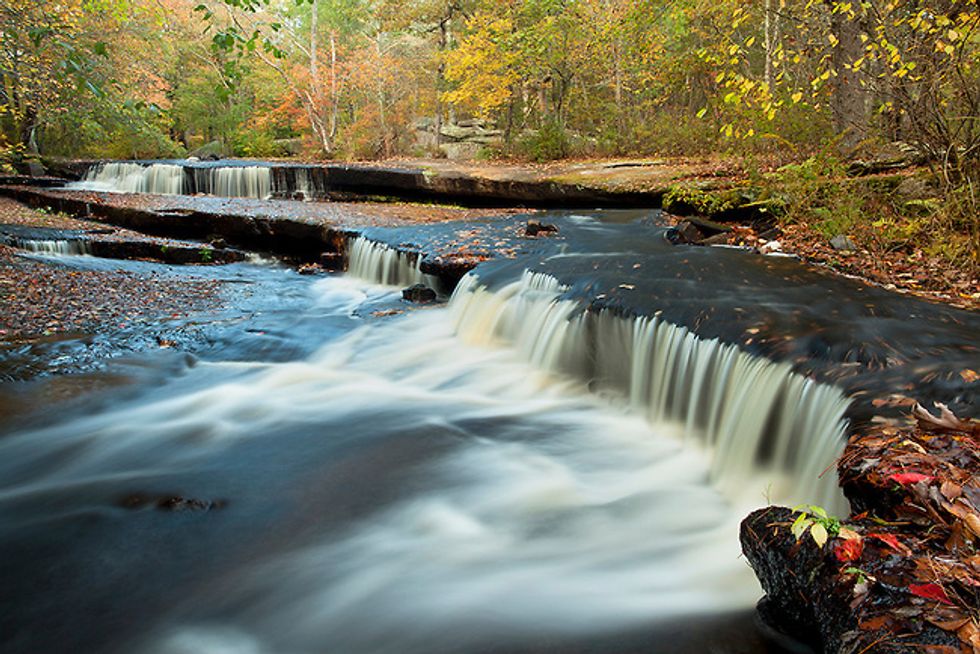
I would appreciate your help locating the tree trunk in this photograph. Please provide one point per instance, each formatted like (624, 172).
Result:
(849, 97)
(334, 101)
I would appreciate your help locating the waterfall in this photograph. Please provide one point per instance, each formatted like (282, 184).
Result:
(169, 179)
(382, 264)
(304, 184)
(124, 177)
(239, 182)
(755, 417)
(52, 246)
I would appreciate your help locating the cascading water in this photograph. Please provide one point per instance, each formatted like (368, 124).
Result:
(757, 418)
(239, 182)
(304, 185)
(61, 247)
(378, 263)
(170, 179)
(124, 177)
(327, 482)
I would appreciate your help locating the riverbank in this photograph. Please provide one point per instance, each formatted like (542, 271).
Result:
(46, 300)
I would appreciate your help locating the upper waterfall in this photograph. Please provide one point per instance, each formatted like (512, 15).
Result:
(174, 179)
(126, 177)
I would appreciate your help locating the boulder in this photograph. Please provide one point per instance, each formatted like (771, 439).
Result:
(419, 293)
(684, 233)
(536, 228)
(842, 243)
(212, 151)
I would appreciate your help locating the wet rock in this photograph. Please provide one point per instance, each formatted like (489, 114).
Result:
(419, 293)
(173, 503)
(684, 233)
(717, 239)
(177, 503)
(218, 243)
(842, 243)
(833, 598)
(331, 260)
(536, 227)
(309, 269)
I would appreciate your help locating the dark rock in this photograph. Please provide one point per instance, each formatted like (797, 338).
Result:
(717, 239)
(332, 260)
(811, 597)
(796, 578)
(177, 503)
(842, 243)
(536, 227)
(174, 503)
(684, 233)
(419, 293)
(218, 243)
(708, 228)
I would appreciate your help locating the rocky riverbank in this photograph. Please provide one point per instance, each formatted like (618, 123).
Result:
(41, 300)
(902, 573)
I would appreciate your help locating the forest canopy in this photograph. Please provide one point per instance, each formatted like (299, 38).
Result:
(540, 79)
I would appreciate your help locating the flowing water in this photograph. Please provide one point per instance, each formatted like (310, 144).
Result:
(173, 179)
(504, 473)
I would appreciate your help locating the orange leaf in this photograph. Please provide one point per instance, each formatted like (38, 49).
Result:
(849, 550)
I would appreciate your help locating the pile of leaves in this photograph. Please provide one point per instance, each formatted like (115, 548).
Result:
(917, 489)
(903, 573)
(38, 300)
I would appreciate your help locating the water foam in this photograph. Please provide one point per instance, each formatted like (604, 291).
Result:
(758, 418)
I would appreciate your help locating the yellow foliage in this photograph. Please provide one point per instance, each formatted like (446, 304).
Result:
(482, 68)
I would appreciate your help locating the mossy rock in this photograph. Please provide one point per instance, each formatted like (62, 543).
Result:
(684, 199)
(744, 203)
(925, 207)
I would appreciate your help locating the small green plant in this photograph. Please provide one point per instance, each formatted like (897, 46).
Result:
(207, 255)
(164, 249)
(817, 521)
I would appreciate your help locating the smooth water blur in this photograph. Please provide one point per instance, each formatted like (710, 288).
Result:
(391, 489)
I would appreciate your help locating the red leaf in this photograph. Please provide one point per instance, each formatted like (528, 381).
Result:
(892, 542)
(906, 478)
(930, 591)
(849, 550)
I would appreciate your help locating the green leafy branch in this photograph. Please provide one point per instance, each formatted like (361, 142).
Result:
(817, 521)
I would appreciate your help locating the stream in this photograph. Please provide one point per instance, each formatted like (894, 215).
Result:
(322, 480)
(526, 467)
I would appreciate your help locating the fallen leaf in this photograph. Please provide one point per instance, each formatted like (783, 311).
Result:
(819, 534)
(849, 550)
(908, 478)
(891, 541)
(930, 591)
